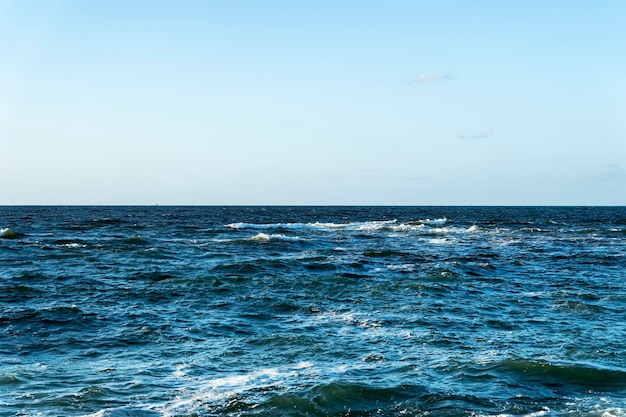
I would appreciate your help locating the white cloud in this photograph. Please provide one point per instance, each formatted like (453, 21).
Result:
(478, 135)
(429, 78)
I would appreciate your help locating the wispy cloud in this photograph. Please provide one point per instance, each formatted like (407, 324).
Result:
(429, 78)
(478, 135)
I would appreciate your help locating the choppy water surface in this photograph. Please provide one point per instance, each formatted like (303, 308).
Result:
(237, 311)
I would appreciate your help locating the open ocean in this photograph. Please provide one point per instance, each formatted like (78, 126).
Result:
(318, 311)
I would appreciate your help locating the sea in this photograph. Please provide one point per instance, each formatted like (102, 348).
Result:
(312, 311)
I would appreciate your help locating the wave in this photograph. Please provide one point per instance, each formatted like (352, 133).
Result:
(242, 225)
(301, 389)
(262, 237)
(439, 241)
(265, 266)
(384, 253)
(220, 391)
(123, 412)
(571, 374)
(70, 243)
(9, 234)
(361, 226)
(373, 226)
(440, 221)
(263, 393)
(343, 398)
(426, 225)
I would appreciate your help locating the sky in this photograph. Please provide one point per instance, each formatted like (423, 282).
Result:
(326, 102)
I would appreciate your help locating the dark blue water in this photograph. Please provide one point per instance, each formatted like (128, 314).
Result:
(322, 311)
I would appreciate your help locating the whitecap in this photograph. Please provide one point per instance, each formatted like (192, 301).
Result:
(407, 227)
(179, 371)
(221, 389)
(373, 225)
(8, 234)
(539, 413)
(74, 245)
(295, 226)
(241, 225)
(438, 241)
(359, 226)
(440, 221)
(122, 412)
(402, 267)
(263, 237)
(319, 225)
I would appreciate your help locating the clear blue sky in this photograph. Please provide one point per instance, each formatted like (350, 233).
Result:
(313, 102)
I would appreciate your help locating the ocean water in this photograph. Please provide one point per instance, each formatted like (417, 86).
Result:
(319, 311)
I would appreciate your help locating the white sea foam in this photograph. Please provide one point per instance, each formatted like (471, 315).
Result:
(576, 407)
(348, 321)
(295, 226)
(319, 225)
(440, 221)
(8, 234)
(216, 390)
(544, 412)
(408, 227)
(613, 412)
(179, 372)
(432, 227)
(263, 237)
(242, 225)
(359, 226)
(373, 226)
(74, 245)
(123, 412)
(438, 241)
(260, 237)
(402, 267)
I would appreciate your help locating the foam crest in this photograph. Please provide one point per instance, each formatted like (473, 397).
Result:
(574, 408)
(123, 412)
(438, 241)
(408, 227)
(217, 390)
(438, 226)
(8, 234)
(402, 267)
(359, 226)
(545, 412)
(440, 221)
(291, 226)
(374, 225)
(242, 225)
(263, 237)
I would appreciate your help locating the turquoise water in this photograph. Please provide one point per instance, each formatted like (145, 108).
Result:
(322, 311)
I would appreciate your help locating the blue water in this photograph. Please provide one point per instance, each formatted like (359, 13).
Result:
(321, 311)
